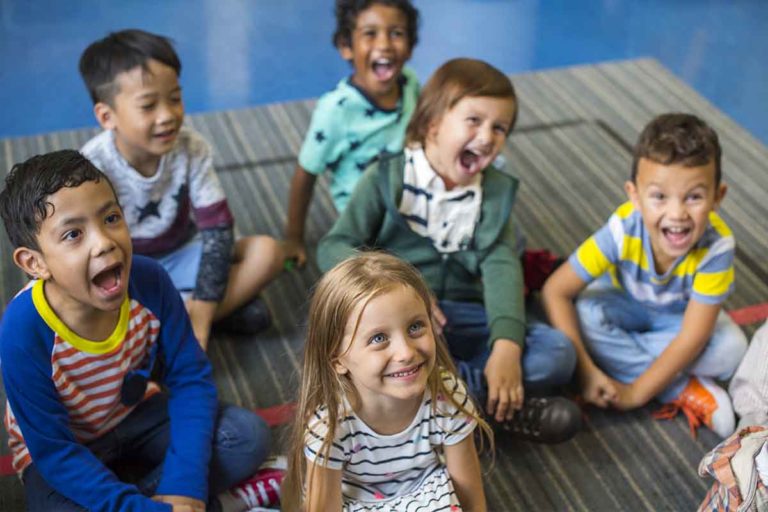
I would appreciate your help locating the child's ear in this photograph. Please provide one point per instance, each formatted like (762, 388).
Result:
(104, 115)
(720, 195)
(345, 50)
(340, 368)
(31, 262)
(631, 189)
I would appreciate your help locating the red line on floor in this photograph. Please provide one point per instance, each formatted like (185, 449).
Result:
(750, 314)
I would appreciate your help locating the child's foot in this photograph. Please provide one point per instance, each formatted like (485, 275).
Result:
(250, 318)
(702, 401)
(545, 420)
(260, 490)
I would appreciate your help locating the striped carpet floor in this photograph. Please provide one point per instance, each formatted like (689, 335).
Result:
(571, 149)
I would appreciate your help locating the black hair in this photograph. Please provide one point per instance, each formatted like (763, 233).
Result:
(119, 52)
(678, 139)
(24, 201)
(347, 12)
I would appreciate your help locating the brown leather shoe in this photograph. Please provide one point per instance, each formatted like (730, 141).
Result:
(547, 420)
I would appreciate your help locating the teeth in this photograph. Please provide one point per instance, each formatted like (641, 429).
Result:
(676, 230)
(382, 62)
(404, 374)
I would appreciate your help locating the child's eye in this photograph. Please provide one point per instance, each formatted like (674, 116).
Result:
(398, 33)
(72, 234)
(657, 196)
(377, 339)
(369, 33)
(175, 99)
(416, 327)
(147, 107)
(113, 218)
(500, 128)
(473, 120)
(695, 197)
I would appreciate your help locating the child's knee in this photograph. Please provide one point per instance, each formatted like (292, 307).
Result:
(727, 348)
(242, 430)
(563, 357)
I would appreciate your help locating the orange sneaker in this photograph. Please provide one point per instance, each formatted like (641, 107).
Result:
(702, 401)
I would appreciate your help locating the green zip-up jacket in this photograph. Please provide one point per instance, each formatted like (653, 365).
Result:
(488, 272)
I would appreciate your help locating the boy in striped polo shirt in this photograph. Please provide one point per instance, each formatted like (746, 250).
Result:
(85, 348)
(651, 323)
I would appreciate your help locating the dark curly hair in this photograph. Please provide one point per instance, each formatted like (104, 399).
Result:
(678, 139)
(347, 12)
(24, 201)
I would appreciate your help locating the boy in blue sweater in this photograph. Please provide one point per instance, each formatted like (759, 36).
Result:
(86, 347)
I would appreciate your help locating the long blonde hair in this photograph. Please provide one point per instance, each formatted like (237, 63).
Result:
(357, 279)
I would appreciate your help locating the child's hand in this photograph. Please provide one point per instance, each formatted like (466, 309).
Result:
(597, 388)
(201, 315)
(626, 397)
(505, 380)
(438, 316)
(295, 250)
(181, 503)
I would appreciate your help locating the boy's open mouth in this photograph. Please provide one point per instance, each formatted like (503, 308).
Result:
(109, 280)
(470, 161)
(677, 236)
(384, 69)
(166, 135)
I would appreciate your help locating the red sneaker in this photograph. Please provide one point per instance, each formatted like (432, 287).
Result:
(702, 401)
(260, 490)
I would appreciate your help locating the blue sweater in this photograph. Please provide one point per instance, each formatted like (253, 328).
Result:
(35, 345)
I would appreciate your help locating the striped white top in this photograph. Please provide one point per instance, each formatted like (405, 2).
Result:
(447, 217)
(380, 467)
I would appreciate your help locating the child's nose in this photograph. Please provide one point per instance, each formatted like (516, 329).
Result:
(165, 113)
(383, 40)
(678, 210)
(103, 243)
(404, 349)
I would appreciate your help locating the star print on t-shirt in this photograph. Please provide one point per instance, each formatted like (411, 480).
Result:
(151, 208)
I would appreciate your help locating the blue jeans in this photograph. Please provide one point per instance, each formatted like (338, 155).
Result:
(241, 443)
(183, 263)
(624, 338)
(548, 358)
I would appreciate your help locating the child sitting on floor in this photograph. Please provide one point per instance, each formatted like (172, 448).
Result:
(652, 325)
(383, 421)
(366, 114)
(163, 174)
(443, 207)
(84, 348)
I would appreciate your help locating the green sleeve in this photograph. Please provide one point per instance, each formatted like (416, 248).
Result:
(502, 276)
(358, 225)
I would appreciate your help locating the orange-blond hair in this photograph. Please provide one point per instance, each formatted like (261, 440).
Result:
(454, 80)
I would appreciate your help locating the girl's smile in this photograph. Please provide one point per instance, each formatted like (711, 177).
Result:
(388, 350)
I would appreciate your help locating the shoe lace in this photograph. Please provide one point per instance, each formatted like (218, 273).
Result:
(528, 419)
(256, 494)
(694, 411)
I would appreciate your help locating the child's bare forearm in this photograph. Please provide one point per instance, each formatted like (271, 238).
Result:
(698, 324)
(302, 187)
(558, 294)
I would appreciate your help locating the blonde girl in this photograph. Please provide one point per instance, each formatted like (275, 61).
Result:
(380, 406)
